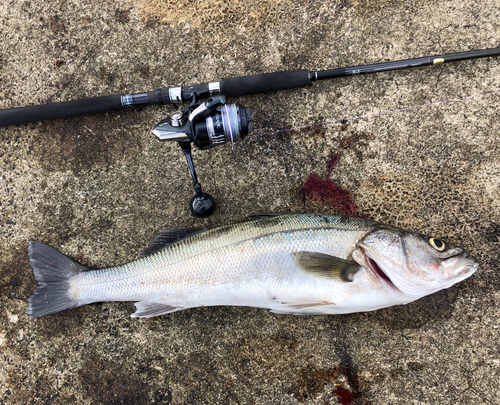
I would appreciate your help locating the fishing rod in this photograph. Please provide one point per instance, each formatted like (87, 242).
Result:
(213, 122)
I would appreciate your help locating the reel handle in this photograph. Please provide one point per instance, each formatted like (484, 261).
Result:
(202, 205)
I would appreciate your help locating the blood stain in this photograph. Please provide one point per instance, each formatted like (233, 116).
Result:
(345, 397)
(330, 193)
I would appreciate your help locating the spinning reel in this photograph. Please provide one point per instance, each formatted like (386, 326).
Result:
(205, 125)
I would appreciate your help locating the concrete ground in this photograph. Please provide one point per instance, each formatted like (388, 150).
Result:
(99, 188)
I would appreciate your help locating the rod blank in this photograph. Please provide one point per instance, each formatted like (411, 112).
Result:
(404, 64)
(233, 87)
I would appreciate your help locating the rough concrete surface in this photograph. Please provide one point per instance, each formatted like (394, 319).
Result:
(98, 188)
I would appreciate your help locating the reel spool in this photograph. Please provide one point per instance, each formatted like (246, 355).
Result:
(205, 125)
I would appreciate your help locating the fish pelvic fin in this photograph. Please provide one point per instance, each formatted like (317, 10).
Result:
(53, 271)
(148, 309)
(304, 307)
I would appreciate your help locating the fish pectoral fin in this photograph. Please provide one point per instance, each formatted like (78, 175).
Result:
(168, 237)
(327, 266)
(148, 309)
(304, 307)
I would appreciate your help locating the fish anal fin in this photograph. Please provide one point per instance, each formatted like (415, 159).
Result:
(326, 266)
(168, 237)
(148, 309)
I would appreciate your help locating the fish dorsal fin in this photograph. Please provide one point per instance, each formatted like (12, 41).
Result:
(273, 214)
(168, 237)
(148, 309)
(327, 266)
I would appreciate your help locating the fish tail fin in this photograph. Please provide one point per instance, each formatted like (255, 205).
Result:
(53, 271)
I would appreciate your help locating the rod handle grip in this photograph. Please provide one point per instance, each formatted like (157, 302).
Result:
(263, 83)
(23, 115)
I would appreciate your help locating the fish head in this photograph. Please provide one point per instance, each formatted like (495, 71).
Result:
(415, 264)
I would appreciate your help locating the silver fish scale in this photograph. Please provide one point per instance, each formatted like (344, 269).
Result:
(243, 264)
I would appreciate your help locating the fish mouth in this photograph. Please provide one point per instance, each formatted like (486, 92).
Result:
(469, 266)
(378, 272)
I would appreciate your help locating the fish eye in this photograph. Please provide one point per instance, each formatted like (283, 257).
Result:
(437, 244)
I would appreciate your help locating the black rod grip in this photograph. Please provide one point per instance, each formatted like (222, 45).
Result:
(23, 115)
(263, 83)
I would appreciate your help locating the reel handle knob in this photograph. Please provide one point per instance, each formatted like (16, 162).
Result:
(202, 205)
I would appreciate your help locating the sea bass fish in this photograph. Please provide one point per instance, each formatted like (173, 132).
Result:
(288, 263)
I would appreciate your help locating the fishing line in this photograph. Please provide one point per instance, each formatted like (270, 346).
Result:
(342, 120)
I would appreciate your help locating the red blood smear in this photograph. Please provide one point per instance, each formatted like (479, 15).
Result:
(346, 397)
(329, 193)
